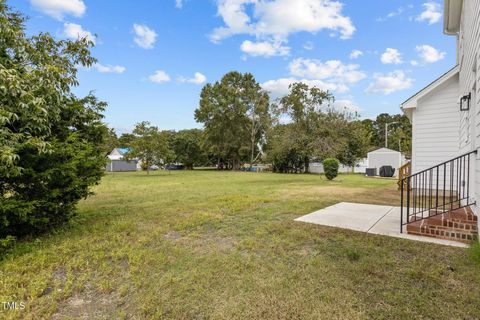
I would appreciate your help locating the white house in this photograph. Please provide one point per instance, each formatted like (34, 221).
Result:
(445, 117)
(435, 118)
(118, 163)
(385, 157)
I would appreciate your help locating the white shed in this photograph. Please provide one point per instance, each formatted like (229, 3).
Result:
(385, 157)
(116, 161)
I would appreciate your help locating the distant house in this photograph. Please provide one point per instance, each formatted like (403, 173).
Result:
(385, 157)
(117, 162)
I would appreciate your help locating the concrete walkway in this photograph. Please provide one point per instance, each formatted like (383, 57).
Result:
(384, 220)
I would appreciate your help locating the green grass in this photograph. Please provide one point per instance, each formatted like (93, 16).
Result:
(223, 245)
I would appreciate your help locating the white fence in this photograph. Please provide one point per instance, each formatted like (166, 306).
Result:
(317, 167)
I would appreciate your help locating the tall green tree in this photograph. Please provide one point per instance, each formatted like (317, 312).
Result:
(357, 142)
(125, 140)
(314, 121)
(51, 142)
(283, 150)
(399, 132)
(111, 141)
(187, 145)
(150, 146)
(235, 112)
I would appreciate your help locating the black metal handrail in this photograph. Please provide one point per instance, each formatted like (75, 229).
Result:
(436, 190)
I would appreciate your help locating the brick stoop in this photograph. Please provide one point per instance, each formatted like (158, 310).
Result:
(458, 224)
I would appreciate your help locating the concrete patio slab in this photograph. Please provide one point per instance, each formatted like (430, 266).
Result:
(374, 219)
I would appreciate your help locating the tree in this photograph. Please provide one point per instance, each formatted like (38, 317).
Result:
(187, 146)
(399, 135)
(357, 142)
(110, 142)
(312, 126)
(150, 146)
(125, 140)
(51, 142)
(236, 113)
(283, 151)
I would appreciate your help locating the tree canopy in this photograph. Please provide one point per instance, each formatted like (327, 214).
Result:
(235, 112)
(150, 146)
(51, 142)
(317, 130)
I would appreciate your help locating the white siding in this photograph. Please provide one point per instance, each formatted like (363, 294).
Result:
(468, 52)
(436, 126)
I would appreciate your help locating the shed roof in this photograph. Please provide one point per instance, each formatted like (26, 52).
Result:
(384, 150)
(123, 150)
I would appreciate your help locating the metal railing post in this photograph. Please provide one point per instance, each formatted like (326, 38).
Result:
(401, 207)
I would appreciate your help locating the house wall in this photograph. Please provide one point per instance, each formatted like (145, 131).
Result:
(435, 126)
(468, 56)
(121, 165)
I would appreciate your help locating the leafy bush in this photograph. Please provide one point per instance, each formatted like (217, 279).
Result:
(330, 166)
(50, 140)
(6, 244)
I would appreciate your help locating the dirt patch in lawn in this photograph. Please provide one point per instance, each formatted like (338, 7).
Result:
(88, 304)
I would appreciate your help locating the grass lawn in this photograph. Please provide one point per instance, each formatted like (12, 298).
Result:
(223, 245)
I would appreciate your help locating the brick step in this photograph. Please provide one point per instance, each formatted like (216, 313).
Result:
(425, 225)
(459, 225)
(462, 215)
(466, 238)
(443, 234)
(444, 221)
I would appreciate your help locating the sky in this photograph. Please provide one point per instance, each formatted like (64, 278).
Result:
(154, 57)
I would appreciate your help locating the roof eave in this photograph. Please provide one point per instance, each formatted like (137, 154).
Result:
(451, 16)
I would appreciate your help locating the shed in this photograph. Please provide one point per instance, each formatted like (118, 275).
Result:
(385, 157)
(116, 161)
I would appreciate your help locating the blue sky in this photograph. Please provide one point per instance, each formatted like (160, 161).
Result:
(155, 56)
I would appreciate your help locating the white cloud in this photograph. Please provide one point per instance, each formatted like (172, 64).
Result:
(109, 69)
(346, 105)
(333, 71)
(279, 87)
(355, 54)
(198, 78)
(60, 8)
(429, 54)
(414, 63)
(332, 75)
(389, 83)
(159, 76)
(264, 49)
(392, 14)
(75, 31)
(144, 36)
(275, 20)
(178, 4)
(432, 13)
(391, 56)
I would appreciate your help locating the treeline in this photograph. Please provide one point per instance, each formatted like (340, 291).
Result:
(242, 125)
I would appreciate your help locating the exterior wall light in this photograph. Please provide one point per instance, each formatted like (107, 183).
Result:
(465, 102)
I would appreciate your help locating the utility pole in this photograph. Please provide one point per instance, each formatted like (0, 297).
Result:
(386, 132)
